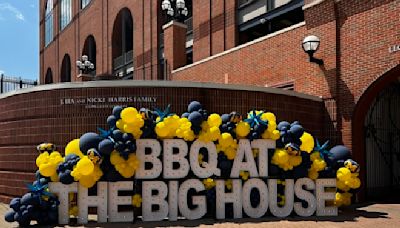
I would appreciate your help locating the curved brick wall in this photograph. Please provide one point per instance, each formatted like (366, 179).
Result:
(61, 112)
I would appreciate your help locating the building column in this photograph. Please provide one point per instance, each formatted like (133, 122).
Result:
(175, 45)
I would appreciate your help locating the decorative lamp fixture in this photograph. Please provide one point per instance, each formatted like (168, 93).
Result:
(175, 9)
(310, 46)
(84, 65)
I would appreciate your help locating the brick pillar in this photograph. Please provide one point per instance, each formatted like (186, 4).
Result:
(175, 44)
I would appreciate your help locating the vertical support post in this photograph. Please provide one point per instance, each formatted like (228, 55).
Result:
(2, 81)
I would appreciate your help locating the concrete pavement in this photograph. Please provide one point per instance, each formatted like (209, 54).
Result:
(374, 215)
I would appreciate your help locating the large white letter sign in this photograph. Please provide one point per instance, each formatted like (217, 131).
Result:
(273, 197)
(263, 145)
(210, 167)
(114, 200)
(152, 158)
(306, 196)
(173, 200)
(199, 201)
(323, 196)
(261, 209)
(244, 151)
(100, 201)
(159, 199)
(234, 197)
(62, 192)
(169, 158)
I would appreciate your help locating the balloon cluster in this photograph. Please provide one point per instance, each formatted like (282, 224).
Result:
(285, 160)
(113, 152)
(48, 161)
(126, 167)
(37, 205)
(131, 121)
(65, 168)
(196, 115)
(210, 131)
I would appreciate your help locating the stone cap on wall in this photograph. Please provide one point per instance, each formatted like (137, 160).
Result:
(152, 84)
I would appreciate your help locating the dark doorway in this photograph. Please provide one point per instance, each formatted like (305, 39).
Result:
(122, 45)
(66, 69)
(382, 143)
(49, 77)
(89, 49)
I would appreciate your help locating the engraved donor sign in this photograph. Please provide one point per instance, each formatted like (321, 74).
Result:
(154, 165)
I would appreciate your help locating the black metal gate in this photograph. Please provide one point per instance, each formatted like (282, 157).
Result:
(382, 132)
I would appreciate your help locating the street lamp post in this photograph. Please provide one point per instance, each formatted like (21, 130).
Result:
(84, 65)
(175, 9)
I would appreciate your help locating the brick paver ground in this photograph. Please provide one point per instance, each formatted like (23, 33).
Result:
(376, 215)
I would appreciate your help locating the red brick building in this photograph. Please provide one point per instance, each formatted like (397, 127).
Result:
(252, 42)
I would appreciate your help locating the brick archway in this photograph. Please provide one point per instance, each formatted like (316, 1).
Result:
(359, 115)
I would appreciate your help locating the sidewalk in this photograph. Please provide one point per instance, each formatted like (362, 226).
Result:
(380, 215)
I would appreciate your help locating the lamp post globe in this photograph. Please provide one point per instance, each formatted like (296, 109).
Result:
(180, 4)
(311, 43)
(165, 5)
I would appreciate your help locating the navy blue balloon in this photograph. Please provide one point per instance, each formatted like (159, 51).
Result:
(53, 216)
(195, 118)
(119, 146)
(223, 127)
(295, 123)
(117, 135)
(29, 198)
(127, 137)
(225, 118)
(117, 111)
(106, 147)
(194, 106)
(111, 121)
(297, 130)
(15, 204)
(66, 177)
(283, 124)
(88, 141)
(337, 153)
(185, 115)
(9, 216)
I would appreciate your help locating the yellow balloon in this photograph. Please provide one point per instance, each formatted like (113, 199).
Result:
(128, 114)
(73, 148)
(307, 142)
(85, 166)
(242, 129)
(47, 169)
(42, 158)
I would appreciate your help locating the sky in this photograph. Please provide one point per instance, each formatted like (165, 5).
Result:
(19, 38)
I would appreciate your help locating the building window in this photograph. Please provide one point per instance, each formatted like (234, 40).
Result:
(122, 45)
(84, 3)
(89, 49)
(48, 24)
(66, 13)
(66, 69)
(260, 18)
(285, 86)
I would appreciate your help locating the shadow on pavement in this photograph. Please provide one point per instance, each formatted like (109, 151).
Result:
(350, 214)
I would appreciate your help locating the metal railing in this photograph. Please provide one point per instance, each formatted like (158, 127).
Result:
(189, 24)
(8, 83)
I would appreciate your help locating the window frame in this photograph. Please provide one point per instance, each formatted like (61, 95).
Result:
(65, 14)
(87, 3)
(48, 23)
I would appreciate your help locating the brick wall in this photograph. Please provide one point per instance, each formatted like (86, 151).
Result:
(98, 19)
(355, 38)
(32, 118)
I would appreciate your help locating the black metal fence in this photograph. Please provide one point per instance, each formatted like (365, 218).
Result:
(8, 83)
